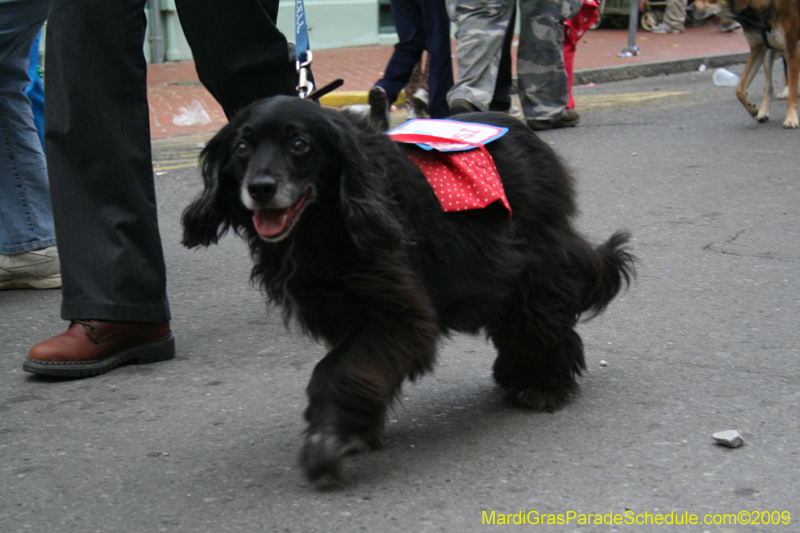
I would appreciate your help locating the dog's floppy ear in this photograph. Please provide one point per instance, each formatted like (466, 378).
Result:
(207, 218)
(739, 5)
(365, 207)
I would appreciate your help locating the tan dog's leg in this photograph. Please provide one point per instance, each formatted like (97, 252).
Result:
(793, 64)
(784, 94)
(756, 59)
(769, 88)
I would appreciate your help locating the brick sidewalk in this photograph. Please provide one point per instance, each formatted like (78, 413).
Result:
(174, 85)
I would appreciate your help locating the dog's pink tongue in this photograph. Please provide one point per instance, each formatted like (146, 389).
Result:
(270, 222)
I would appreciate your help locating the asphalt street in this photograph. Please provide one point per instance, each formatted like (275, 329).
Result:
(706, 340)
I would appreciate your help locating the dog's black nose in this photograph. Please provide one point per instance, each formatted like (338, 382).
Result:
(262, 188)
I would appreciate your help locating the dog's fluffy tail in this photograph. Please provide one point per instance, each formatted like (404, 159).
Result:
(613, 266)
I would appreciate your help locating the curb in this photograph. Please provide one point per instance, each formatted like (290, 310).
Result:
(656, 68)
(345, 98)
(584, 76)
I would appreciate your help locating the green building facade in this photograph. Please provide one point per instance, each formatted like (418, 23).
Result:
(331, 24)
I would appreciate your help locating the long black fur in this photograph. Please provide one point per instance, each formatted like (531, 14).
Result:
(377, 270)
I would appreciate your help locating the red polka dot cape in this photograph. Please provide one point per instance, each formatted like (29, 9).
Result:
(455, 161)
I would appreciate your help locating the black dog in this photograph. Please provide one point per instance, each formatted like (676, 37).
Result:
(348, 237)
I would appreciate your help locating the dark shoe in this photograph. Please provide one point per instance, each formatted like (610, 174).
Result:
(91, 347)
(500, 106)
(378, 109)
(569, 119)
(507, 108)
(460, 105)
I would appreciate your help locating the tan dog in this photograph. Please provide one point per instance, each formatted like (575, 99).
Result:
(770, 26)
(784, 94)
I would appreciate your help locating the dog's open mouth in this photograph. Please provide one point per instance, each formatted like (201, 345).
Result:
(274, 224)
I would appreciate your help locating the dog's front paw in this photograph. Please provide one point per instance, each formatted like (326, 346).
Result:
(323, 452)
(762, 117)
(540, 399)
(791, 122)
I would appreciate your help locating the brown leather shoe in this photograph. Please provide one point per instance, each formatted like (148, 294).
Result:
(92, 347)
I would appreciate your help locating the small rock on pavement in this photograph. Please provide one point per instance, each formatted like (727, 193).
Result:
(730, 438)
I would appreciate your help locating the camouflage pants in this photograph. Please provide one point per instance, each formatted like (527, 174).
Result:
(480, 29)
(675, 14)
(540, 63)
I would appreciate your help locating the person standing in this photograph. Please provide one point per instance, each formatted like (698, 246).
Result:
(543, 83)
(28, 255)
(420, 24)
(574, 29)
(674, 17)
(482, 28)
(97, 133)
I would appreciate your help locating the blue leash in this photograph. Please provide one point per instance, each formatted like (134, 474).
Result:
(301, 31)
(303, 55)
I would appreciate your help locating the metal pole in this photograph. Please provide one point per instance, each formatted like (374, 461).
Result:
(156, 33)
(633, 23)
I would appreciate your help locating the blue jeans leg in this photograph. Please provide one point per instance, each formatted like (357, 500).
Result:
(26, 219)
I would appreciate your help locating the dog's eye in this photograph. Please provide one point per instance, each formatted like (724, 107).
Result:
(242, 149)
(300, 146)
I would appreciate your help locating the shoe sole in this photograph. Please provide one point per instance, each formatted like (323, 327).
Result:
(149, 352)
(544, 125)
(51, 282)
